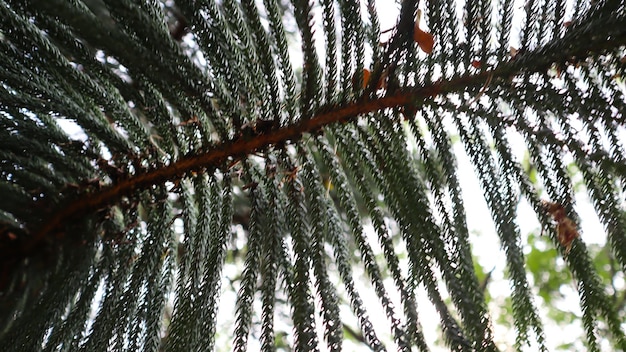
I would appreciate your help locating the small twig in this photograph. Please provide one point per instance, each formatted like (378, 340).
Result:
(388, 30)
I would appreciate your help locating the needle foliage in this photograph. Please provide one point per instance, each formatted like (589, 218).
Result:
(161, 161)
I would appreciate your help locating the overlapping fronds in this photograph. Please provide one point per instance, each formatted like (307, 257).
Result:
(166, 162)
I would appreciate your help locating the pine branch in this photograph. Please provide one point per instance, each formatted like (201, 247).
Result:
(231, 151)
(127, 74)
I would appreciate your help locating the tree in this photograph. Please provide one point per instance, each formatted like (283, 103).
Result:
(149, 147)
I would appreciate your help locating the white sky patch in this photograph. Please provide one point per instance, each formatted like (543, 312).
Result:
(73, 130)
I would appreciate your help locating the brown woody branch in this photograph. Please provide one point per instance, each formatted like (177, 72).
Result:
(236, 149)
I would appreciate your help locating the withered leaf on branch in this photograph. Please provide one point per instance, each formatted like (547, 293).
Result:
(566, 229)
(424, 40)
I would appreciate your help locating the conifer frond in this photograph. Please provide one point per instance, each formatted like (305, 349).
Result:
(200, 175)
